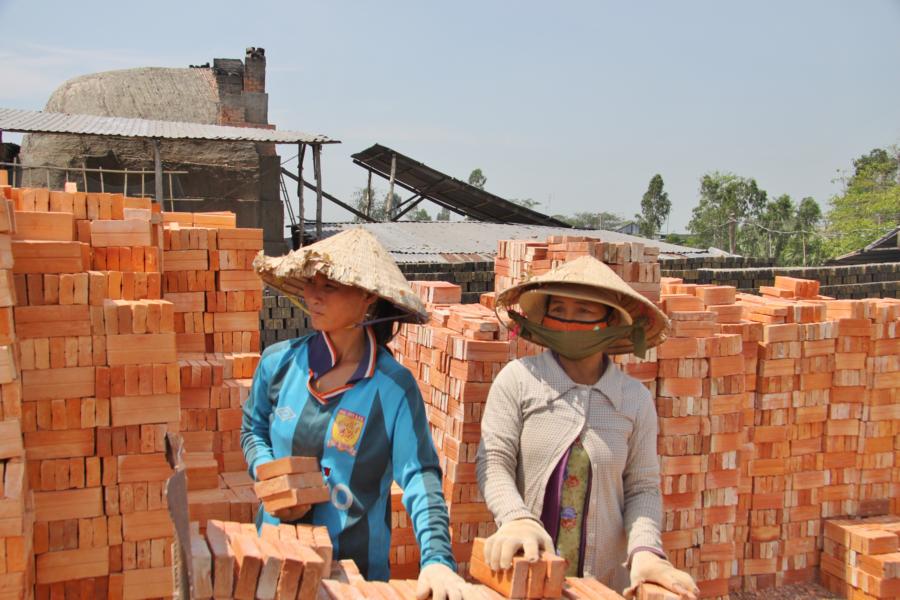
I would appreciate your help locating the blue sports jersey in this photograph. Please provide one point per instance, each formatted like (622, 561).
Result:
(365, 434)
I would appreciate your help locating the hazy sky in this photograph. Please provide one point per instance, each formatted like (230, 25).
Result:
(573, 104)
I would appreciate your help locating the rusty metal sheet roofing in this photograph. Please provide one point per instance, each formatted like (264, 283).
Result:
(447, 191)
(441, 241)
(32, 121)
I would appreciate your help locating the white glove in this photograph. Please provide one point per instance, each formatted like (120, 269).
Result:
(442, 583)
(648, 567)
(521, 534)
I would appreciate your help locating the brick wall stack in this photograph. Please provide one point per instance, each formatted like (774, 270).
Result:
(94, 380)
(861, 557)
(218, 297)
(96, 346)
(16, 504)
(700, 401)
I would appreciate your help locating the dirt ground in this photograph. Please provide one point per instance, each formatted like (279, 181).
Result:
(806, 591)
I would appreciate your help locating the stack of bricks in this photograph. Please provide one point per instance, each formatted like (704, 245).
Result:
(210, 279)
(232, 560)
(213, 389)
(97, 351)
(861, 557)
(519, 260)
(404, 554)
(16, 506)
(879, 444)
(701, 400)
(454, 358)
(217, 297)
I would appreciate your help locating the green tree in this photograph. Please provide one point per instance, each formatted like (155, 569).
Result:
(726, 200)
(362, 202)
(588, 220)
(655, 208)
(477, 178)
(778, 224)
(419, 214)
(869, 205)
(443, 215)
(806, 226)
(526, 202)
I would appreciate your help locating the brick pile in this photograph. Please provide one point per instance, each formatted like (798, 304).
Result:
(91, 372)
(16, 504)
(861, 557)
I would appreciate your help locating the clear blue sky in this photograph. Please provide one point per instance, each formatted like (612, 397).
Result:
(573, 103)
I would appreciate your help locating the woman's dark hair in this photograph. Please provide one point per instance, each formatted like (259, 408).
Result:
(385, 330)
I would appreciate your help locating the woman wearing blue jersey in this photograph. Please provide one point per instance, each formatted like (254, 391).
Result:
(340, 396)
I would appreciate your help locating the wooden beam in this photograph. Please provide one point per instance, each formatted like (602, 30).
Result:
(157, 173)
(299, 179)
(407, 209)
(389, 204)
(317, 167)
(328, 196)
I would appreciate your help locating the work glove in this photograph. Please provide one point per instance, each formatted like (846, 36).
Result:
(442, 583)
(294, 513)
(648, 567)
(521, 534)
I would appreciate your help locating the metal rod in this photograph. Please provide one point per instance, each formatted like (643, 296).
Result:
(125, 183)
(102, 187)
(142, 185)
(158, 175)
(48, 179)
(15, 169)
(84, 176)
(317, 167)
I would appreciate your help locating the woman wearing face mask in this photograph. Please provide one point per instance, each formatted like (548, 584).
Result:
(340, 396)
(567, 460)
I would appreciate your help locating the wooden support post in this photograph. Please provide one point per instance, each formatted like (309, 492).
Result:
(369, 195)
(84, 175)
(389, 203)
(158, 175)
(48, 178)
(301, 220)
(171, 195)
(317, 166)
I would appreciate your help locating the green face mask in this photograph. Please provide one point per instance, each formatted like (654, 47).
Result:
(576, 345)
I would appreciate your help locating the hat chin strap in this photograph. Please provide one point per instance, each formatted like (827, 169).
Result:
(296, 302)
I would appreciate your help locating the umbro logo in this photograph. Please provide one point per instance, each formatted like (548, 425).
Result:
(285, 413)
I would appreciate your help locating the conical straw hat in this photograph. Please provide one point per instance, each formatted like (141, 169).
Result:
(352, 257)
(587, 278)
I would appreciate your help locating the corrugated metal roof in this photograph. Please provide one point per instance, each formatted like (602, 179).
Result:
(32, 121)
(885, 249)
(447, 191)
(441, 241)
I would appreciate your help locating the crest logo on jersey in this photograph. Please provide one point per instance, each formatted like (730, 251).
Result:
(285, 413)
(346, 431)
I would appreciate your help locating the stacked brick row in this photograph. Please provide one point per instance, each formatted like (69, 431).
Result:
(16, 504)
(99, 387)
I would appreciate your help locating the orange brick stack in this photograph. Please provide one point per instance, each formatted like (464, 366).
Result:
(519, 260)
(210, 279)
(231, 560)
(701, 398)
(861, 557)
(97, 352)
(16, 506)
(404, 555)
(879, 443)
(454, 358)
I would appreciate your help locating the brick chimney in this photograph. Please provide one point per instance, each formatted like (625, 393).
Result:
(255, 70)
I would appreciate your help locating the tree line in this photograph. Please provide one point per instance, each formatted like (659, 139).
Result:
(734, 214)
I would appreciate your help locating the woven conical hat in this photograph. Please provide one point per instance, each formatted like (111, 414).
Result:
(352, 257)
(587, 278)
